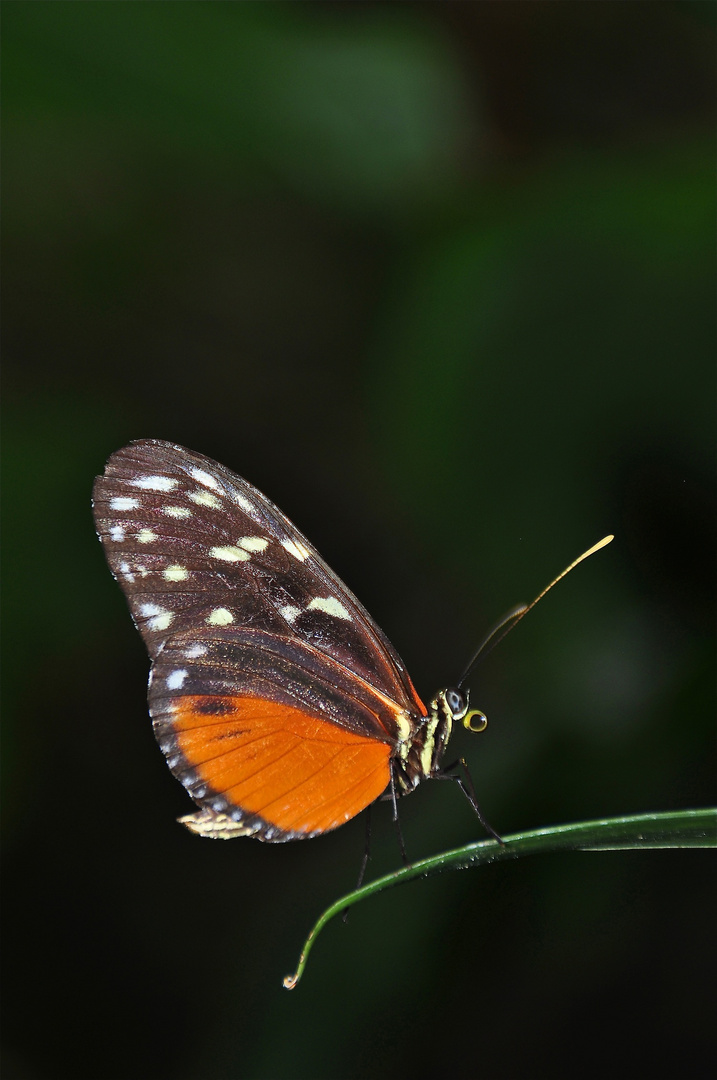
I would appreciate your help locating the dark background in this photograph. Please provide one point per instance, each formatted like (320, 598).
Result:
(439, 278)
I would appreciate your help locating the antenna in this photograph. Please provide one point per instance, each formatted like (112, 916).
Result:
(511, 620)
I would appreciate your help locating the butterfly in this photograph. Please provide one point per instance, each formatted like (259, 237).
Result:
(277, 701)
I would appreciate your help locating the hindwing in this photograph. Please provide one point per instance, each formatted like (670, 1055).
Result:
(266, 732)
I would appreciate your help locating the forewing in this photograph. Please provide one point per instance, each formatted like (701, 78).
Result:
(197, 548)
(267, 736)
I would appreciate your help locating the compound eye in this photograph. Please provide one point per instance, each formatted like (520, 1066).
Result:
(456, 701)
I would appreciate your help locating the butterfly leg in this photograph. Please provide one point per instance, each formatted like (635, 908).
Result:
(366, 850)
(468, 790)
(364, 860)
(397, 822)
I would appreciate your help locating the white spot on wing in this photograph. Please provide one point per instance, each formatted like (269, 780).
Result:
(175, 573)
(220, 617)
(117, 534)
(121, 502)
(146, 536)
(253, 543)
(155, 483)
(290, 612)
(241, 500)
(158, 618)
(161, 622)
(330, 605)
(126, 572)
(150, 609)
(205, 498)
(175, 681)
(296, 548)
(206, 480)
(194, 651)
(177, 511)
(230, 553)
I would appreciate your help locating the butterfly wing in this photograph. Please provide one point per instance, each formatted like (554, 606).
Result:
(194, 545)
(221, 584)
(266, 735)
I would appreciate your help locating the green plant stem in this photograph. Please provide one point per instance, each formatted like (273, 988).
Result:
(678, 829)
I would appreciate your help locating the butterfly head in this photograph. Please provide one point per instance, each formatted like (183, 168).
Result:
(454, 704)
(449, 706)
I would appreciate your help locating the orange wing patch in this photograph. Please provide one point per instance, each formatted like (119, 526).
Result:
(296, 771)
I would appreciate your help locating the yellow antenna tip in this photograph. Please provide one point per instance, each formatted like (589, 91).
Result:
(601, 544)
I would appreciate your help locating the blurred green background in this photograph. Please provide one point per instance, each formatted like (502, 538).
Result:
(439, 278)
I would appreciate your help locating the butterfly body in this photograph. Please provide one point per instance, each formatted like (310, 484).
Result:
(278, 702)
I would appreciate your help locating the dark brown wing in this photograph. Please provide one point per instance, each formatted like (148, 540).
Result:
(197, 549)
